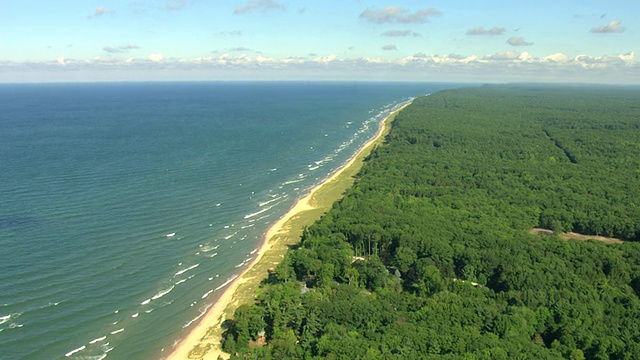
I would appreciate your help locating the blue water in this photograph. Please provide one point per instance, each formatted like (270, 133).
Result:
(126, 208)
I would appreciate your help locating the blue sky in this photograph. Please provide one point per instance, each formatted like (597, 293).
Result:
(438, 40)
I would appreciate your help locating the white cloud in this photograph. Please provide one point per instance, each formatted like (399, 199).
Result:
(611, 27)
(240, 49)
(557, 57)
(230, 33)
(400, 33)
(482, 31)
(394, 14)
(518, 41)
(120, 49)
(607, 61)
(100, 11)
(176, 4)
(259, 4)
(507, 55)
(156, 57)
(505, 66)
(326, 59)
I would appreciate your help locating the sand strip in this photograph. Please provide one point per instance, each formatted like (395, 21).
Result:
(208, 347)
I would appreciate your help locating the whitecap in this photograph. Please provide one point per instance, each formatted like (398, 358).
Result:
(256, 213)
(253, 251)
(232, 235)
(212, 255)
(135, 315)
(206, 294)
(97, 340)
(240, 265)
(226, 283)
(291, 182)
(162, 293)
(117, 331)
(274, 199)
(202, 312)
(75, 351)
(185, 270)
(4, 319)
(145, 302)
(208, 248)
(171, 234)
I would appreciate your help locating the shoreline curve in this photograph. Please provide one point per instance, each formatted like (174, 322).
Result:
(199, 339)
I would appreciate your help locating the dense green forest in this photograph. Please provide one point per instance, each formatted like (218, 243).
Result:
(429, 254)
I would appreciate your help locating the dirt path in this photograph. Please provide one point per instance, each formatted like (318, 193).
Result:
(576, 236)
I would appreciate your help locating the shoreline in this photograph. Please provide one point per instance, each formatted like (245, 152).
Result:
(203, 341)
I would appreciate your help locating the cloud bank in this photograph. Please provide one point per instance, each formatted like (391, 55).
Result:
(498, 67)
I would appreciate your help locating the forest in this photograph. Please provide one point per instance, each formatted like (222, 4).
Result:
(430, 254)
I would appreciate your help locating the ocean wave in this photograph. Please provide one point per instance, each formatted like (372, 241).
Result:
(183, 280)
(185, 270)
(145, 302)
(75, 351)
(276, 198)
(207, 294)
(232, 235)
(4, 319)
(202, 313)
(245, 262)
(249, 216)
(96, 340)
(229, 280)
(212, 255)
(260, 218)
(292, 181)
(207, 248)
(162, 293)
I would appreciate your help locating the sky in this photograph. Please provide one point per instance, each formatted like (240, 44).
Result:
(334, 40)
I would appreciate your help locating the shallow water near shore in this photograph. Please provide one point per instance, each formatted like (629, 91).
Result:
(126, 208)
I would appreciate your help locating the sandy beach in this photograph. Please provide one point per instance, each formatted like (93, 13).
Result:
(202, 342)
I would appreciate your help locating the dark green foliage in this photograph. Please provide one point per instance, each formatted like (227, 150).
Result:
(429, 255)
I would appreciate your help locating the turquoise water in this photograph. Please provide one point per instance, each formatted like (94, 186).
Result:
(125, 209)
